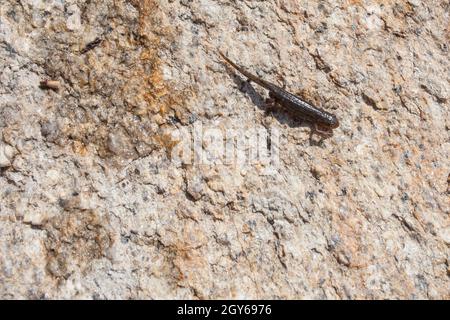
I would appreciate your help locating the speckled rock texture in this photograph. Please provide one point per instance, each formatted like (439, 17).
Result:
(93, 204)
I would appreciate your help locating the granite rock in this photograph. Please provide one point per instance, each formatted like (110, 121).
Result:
(118, 184)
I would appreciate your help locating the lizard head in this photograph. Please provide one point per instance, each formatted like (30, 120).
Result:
(334, 122)
(330, 121)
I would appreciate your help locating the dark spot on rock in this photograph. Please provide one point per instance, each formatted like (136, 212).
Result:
(49, 130)
(369, 101)
(310, 195)
(405, 197)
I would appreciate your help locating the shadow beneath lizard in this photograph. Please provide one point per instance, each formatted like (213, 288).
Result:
(281, 115)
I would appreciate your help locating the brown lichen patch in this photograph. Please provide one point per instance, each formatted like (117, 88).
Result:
(184, 260)
(350, 3)
(119, 85)
(355, 2)
(167, 142)
(79, 148)
(152, 22)
(348, 239)
(74, 240)
(153, 94)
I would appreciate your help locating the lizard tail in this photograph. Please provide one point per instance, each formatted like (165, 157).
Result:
(250, 76)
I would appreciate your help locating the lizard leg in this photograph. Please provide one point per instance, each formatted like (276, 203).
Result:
(270, 103)
(325, 133)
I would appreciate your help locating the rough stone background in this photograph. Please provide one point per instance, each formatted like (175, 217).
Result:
(92, 206)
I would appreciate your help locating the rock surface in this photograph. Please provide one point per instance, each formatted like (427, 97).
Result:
(95, 205)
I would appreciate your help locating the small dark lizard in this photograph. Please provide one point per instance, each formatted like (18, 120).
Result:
(324, 122)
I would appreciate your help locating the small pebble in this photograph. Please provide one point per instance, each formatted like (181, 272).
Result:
(50, 84)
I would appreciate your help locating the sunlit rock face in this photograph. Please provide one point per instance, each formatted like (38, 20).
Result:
(135, 164)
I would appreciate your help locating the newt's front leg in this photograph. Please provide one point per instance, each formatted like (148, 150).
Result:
(326, 133)
(270, 103)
